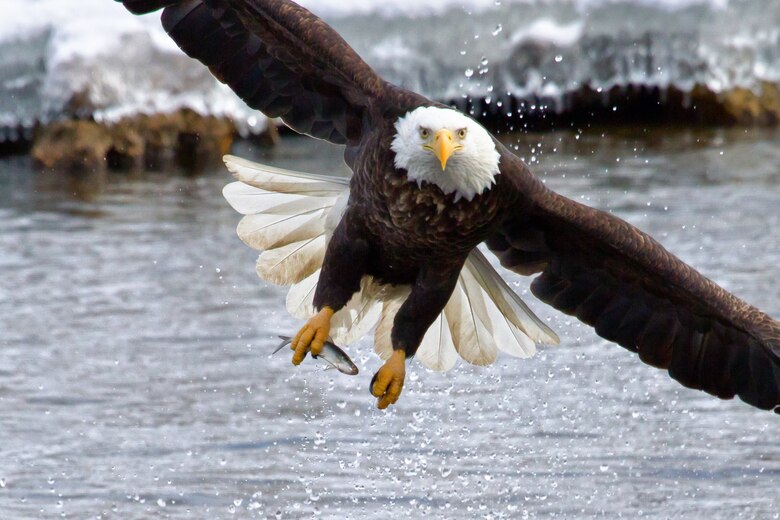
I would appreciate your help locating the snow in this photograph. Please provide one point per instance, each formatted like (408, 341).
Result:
(127, 64)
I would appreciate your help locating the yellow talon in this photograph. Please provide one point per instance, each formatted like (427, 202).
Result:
(389, 380)
(312, 336)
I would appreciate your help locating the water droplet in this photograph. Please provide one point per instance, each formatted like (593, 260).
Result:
(498, 29)
(469, 72)
(558, 58)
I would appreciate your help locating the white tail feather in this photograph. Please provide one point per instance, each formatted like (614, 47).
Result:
(292, 263)
(300, 297)
(351, 322)
(358, 316)
(482, 317)
(279, 180)
(507, 336)
(289, 223)
(508, 302)
(383, 344)
(268, 231)
(437, 351)
(249, 200)
(472, 333)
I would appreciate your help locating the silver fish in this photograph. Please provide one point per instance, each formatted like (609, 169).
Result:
(332, 354)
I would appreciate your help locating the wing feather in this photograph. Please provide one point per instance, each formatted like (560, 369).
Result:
(612, 276)
(283, 60)
(470, 326)
(437, 351)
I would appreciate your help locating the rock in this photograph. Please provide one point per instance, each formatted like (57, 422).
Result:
(201, 140)
(183, 138)
(191, 141)
(72, 145)
(748, 107)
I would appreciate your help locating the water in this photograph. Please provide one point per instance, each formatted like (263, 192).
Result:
(135, 382)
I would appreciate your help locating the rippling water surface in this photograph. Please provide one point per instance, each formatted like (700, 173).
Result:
(135, 380)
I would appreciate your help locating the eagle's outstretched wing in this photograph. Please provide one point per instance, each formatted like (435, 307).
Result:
(612, 276)
(284, 61)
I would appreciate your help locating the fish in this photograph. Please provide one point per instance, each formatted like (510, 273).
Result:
(332, 354)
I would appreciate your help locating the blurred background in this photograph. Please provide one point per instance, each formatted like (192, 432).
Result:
(135, 380)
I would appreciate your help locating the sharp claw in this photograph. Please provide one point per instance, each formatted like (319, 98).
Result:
(371, 385)
(311, 336)
(387, 384)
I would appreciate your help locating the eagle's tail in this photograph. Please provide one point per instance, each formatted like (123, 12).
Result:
(483, 316)
(286, 217)
(290, 216)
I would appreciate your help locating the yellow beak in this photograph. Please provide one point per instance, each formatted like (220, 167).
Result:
(443, 146)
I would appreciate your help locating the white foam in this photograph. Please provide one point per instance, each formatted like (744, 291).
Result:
(547, 30)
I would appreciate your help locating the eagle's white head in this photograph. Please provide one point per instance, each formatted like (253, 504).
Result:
(446, 148)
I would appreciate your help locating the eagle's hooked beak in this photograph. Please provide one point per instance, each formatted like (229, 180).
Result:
(444, 146)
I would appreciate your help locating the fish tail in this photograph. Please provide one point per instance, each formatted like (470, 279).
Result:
(286, 340)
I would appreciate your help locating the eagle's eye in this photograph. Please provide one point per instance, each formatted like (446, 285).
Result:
(425, 133)
(462, 133)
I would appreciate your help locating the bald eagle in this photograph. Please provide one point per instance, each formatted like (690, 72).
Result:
(396, 243)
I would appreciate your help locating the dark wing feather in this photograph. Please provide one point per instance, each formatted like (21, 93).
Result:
(284, 61)
(612, 276)
(146, 6)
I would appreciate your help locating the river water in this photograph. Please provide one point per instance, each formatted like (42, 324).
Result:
(135, 381)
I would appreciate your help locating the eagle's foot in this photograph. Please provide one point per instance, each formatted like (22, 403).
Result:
(312, 336)
(389, 380)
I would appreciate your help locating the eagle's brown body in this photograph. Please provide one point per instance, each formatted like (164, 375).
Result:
(409, 225)
(283, 60)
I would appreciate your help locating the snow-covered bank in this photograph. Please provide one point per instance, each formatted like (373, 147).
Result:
(91, 57)
(78, 57)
